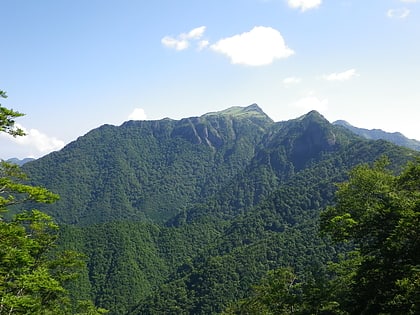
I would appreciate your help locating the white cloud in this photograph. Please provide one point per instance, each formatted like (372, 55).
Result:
(260, 46)
(410, 1)
(137, 114)
(341, 76)
(178, 44)
(312, 103)
(304, 5)
(291, 80)
(195, 33)
(182, 41)
(203, 44)
(37, 141)
(400, 13)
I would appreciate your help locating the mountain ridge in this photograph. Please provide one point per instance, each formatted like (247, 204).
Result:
(186, 215)
(376, 134)
(186, 152)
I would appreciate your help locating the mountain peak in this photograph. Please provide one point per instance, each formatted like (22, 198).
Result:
(342, 123)
(254, 107)
(313, 115)
(252, 110)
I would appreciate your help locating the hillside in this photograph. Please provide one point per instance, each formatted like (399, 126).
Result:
(149, 169)
(183, 216)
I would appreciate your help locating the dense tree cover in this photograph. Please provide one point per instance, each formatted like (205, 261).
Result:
(282, 291)
(146, 170)
(377, 212)
(185, 217)
(128, 260)
(31, 281)
(281, 231)
(279, 292)
(32, 275)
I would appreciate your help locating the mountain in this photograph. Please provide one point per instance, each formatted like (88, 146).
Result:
(20, 162)
(149, 169)
(376, 134)
(184, 216)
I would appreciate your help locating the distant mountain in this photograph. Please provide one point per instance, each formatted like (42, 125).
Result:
(184, 216)
(376, 134)
(20, 162)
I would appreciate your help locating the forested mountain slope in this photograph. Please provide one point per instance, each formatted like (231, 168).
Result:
(149, 169)
(183, 216)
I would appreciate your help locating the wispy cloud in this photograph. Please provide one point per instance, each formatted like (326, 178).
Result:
(341, 76)
(182, 41)
(410, 1)
(400, 13)
(304, 5)
(203, 44)
(195, 33)
(178, 44)
(260, 46)
(291, 80)
(137, 114)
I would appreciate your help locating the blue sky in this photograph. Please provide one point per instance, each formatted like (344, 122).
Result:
(73, 65)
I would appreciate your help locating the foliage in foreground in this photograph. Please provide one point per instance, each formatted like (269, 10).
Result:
(32, 276)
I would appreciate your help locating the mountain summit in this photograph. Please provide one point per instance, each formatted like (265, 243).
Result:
(252, 112)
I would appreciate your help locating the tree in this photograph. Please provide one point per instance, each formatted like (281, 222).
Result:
(379, 213)
(26, 282)
(13, 191)
(278, 293)
(7, 122)
(32, 275)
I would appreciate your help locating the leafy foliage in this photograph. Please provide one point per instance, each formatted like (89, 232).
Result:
(14, 191)
(379, 213)
(26, 279)
(7, 119)
(32, 276)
